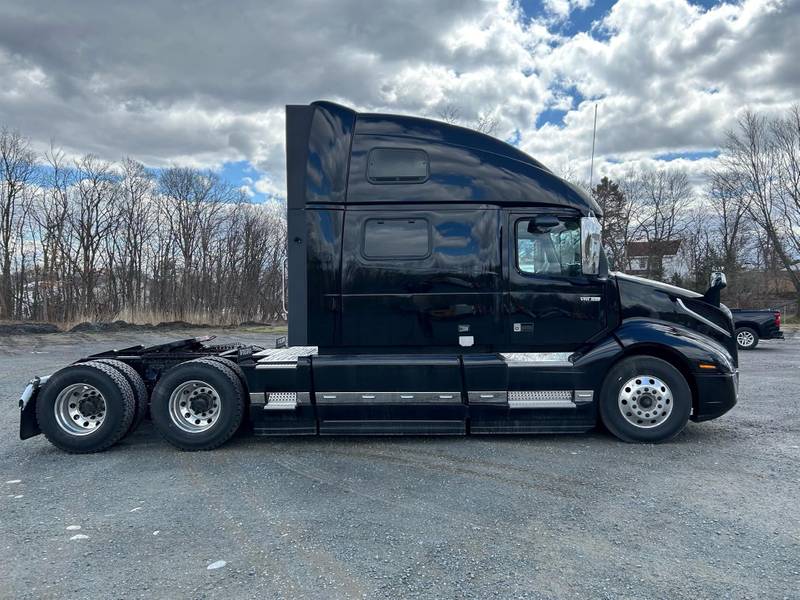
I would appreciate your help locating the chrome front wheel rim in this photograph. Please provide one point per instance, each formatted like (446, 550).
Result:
(194, 406)
(645, 401)
(745, 339)
(80, 409)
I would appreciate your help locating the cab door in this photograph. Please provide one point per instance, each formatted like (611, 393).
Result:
(551, 305)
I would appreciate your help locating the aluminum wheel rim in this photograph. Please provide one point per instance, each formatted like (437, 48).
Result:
(645, 401)
(80, 409)
(194, 406)
(745, 339)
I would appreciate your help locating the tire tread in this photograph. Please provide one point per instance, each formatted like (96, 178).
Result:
(139, 389)
(238, 415)
(605, 401)
(128, 405)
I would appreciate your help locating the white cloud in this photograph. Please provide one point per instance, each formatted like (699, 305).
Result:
(561, 9)
(120, 80)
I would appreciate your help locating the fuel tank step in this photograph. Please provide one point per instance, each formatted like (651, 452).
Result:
(532, 398)
(281, 401)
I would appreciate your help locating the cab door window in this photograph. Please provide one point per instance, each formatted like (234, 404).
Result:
(548, 246)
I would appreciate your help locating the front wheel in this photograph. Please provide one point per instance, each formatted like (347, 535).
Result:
(645, 399)
(746, 338)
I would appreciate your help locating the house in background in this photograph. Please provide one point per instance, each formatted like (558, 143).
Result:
(656, 260)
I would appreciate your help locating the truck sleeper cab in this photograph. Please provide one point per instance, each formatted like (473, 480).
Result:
(440, 282)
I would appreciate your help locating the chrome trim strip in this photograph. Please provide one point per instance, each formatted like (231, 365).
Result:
(701, 318)
(257, 398)
(537, 359)
(488, 397)
(328, 398)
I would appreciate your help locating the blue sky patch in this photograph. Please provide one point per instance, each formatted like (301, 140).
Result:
(238, 173)
(579, 20)
(695, 155)
(551, 116)
(515, 138)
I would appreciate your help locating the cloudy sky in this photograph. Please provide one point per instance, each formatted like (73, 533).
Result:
(204, 82)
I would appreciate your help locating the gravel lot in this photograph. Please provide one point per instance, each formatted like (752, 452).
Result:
(714, 514)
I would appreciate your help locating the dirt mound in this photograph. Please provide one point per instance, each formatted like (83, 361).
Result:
(96, 327)
(113, 326)
(27, 328)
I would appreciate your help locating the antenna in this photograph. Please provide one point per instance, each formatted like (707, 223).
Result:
(594, 135)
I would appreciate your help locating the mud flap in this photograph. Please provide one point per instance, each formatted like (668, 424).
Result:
(28, 425)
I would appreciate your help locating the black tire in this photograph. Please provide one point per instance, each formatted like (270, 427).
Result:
(137, 385)
(231, 407)
(233, 367)
(745, 338)
(630, 369)
(120, 406)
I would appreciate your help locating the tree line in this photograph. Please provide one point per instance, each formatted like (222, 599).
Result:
(90, 239)
(744, 220)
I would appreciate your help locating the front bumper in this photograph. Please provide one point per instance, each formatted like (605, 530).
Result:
(28, 425)
(717, 393)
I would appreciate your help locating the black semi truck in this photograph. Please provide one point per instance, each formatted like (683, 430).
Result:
(439, 282)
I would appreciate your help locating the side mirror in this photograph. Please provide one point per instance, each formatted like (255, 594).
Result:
(591, 232)
(718, 280)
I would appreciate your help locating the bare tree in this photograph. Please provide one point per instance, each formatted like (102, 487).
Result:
(666, 194)
(136, 209)
(785, 133)
(92, 219)
(759, 160)
(17, 170)
(729, 205)
(485, 122)
(658, 201)
(449, 113)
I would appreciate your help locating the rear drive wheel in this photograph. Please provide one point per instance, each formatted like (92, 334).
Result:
(86, 407)
(645, 399)
(746, 338)
(233, 367)
(198, 405)
(137, 385)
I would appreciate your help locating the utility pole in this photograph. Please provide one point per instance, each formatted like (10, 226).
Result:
(594, 135)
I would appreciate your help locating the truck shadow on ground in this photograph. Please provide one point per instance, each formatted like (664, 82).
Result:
(597, 438)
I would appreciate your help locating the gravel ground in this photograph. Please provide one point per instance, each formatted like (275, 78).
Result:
(713, 514)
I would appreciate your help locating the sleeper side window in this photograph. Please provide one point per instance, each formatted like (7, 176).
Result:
(397, 165)
(549, 246)
(396, 239)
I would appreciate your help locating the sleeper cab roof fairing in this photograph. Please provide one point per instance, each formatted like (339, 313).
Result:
(465, 166)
